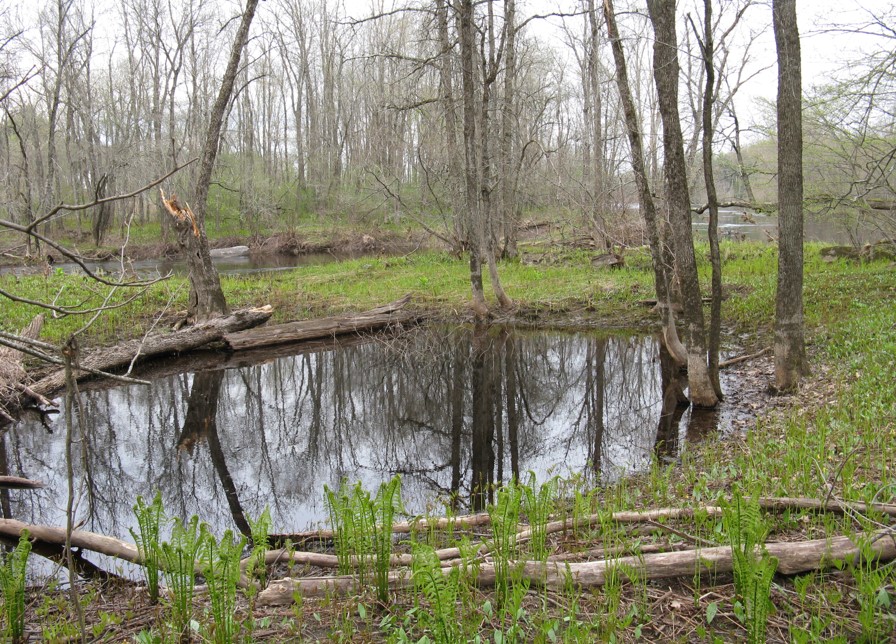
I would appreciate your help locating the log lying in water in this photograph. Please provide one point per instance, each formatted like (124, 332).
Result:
(371, 320)
(793, 558)
(160, 344)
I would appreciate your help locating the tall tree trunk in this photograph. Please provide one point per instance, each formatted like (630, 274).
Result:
(715, 319)
(790, 352)
(475, 228)
(446, 86)
(666, 70)
(508, 134)
(206, 297)
(645, 197)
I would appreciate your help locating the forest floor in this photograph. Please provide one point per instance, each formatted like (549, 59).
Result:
(833, 440)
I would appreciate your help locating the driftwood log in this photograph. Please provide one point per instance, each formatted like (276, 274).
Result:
(156, 345)
(793, 558)
(371, 320)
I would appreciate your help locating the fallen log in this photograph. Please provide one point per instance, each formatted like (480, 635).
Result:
(371, 320)
(12, 373)
(233, 251)
(160, 344)
(19, 483)
(793, 558)
(12, 529)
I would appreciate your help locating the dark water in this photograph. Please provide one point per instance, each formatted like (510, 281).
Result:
(452, 410)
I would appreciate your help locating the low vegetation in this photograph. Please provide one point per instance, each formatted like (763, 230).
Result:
(834, 441)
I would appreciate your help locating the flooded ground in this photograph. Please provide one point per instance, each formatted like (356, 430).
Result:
(454, 411)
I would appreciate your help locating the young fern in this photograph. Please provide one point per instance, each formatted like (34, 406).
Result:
(150, 519)
(505, 519)
(387, 502)
(753, 567)
(179, 556)
(12, 584)
(220, 562)
(362, 529)
(261, 530)
(440, 591)
(539, 505)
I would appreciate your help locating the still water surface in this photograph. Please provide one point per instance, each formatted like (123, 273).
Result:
(452, 410)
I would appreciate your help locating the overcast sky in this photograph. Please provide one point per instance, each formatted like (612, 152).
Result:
(825, 50)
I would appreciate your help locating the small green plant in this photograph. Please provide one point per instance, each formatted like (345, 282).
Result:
(150, 518)
(505, 519)
(350, 527)
(440, 591)
(261, 530)
(753, 566)
(874, 599)
(363, 530)
(12, 583)
(388, 500)
(179, 556)
(538, 501)
(220, 562)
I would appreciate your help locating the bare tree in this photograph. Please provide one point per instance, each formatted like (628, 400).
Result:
(666, 71)
(790, 351)
(206, 297)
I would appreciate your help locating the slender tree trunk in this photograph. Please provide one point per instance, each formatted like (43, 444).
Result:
(446, 83)
(206, 297)
(790, 352)
(508, 134)
(475, 229)
(645, 198)
(715, 319)
(666, 70)
(741, 166)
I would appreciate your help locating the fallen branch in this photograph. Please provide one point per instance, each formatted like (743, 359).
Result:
(746, 358)
(793, 558)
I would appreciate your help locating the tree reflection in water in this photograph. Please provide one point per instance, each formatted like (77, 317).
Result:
(455, 411)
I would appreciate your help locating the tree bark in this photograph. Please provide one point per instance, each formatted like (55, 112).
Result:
(666, 70)
(790, 351)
